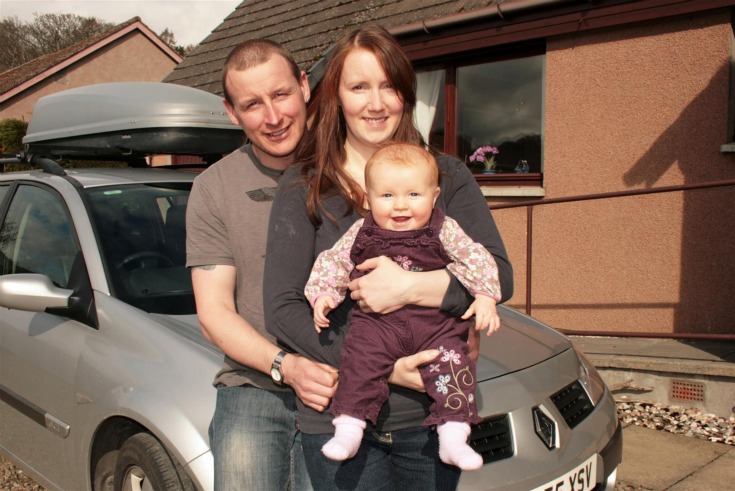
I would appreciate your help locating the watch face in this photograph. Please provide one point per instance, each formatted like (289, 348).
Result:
(275, 375)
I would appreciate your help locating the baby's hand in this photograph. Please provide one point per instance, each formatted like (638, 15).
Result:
(322, 306)
(485, 312)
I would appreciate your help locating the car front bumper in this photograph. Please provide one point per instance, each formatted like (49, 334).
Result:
(529, 463)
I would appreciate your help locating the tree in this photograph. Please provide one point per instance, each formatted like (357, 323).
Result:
(169, 38)
(47, 33)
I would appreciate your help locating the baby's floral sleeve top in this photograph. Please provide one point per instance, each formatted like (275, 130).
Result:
(472, 265)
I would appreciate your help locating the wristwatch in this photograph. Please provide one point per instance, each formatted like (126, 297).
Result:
(276, 374)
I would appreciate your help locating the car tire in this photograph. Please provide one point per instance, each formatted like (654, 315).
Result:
(104, 472)
(143, 463)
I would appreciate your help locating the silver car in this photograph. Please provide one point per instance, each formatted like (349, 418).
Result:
(105, 378)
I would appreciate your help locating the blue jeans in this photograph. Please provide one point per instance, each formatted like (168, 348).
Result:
(254, 440)
(404, 460)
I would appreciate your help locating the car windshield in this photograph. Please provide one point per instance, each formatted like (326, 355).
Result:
(141, 233)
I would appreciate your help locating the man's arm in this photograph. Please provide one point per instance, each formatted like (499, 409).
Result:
(214, 288)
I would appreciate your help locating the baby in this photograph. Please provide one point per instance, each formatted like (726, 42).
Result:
(402, 185)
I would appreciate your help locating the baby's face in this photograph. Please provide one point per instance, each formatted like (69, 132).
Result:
(401, 197)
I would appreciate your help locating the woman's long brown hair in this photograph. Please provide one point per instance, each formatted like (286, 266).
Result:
(322, 150)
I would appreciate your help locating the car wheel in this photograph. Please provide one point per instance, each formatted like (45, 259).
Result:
(104, 472)
(144, 465)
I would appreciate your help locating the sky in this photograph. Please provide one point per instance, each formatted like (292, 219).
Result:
(190, 20)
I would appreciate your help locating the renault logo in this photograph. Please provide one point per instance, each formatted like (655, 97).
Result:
(545, 428)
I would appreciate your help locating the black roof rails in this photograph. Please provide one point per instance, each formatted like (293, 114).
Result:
(47, 165)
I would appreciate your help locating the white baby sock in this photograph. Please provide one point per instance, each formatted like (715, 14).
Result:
(347, 437)
(453, 447)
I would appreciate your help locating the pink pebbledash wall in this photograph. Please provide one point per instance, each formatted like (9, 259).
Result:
(636, 107)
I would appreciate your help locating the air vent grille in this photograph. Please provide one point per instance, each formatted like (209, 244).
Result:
(573, 403)
(685, 390)
(493, 439)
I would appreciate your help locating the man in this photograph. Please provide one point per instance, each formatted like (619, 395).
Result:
(253, 434)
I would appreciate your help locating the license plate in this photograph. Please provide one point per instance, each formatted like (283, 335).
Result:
(581, 478)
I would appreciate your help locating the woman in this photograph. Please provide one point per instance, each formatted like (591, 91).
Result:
(366, 99)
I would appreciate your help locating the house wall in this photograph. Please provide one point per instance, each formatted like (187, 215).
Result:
(636, 107)
(132, 58)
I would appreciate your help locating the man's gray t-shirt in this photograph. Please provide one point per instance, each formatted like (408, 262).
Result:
(227, 224)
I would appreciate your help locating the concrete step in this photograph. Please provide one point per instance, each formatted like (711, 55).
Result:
(689, 373)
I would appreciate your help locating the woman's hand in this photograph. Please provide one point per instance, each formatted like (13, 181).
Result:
(383, 289)
(388, 287)
(406, 370)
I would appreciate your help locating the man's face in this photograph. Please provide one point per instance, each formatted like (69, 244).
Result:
(269, 104)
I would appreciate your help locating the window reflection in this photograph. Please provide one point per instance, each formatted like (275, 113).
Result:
(37, 236)
(501, 104)
(498, 104)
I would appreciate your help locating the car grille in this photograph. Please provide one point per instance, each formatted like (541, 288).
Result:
(491, 438)
(573, 403)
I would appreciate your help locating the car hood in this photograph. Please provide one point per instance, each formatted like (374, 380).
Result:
(187, 326)
(521, 342)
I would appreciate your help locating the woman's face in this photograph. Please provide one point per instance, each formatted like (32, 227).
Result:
(371, 106)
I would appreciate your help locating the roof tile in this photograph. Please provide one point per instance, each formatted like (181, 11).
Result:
(307, 28)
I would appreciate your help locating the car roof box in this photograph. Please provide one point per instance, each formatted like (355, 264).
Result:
(124, 120)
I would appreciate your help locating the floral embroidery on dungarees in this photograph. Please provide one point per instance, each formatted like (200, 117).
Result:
(406, 263)
(452, 384)
(442, 385)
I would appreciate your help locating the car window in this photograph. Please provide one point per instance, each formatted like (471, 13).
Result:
(142, 237)
(37, 236)
(3, 191)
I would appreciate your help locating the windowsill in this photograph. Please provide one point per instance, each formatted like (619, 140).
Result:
(528, 185)
(728, 147)
(513, 191)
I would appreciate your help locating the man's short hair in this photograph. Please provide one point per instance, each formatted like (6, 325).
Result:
(252, 53)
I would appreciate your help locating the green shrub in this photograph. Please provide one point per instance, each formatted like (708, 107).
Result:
(12, 132)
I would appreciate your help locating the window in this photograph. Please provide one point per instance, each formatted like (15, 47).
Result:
(3, 191)
(142, 236)
(464, 105)
(37, 236)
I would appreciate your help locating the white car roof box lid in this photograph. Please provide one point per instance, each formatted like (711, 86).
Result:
(129, 118)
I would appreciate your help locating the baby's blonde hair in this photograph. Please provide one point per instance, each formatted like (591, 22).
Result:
(404, 155)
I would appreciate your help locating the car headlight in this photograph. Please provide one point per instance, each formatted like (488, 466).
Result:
(589, 378)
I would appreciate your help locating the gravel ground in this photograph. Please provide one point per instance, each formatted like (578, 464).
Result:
(14, 479)
(674, 419)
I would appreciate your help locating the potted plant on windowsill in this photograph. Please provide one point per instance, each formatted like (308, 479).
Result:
(486, 155)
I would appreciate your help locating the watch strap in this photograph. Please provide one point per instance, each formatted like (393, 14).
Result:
(278, 359)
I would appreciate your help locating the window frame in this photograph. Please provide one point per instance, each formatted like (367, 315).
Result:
(450, 65)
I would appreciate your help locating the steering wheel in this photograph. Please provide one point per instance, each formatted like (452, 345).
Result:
(143, 258)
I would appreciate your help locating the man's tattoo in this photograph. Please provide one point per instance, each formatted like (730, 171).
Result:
(206, 267)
